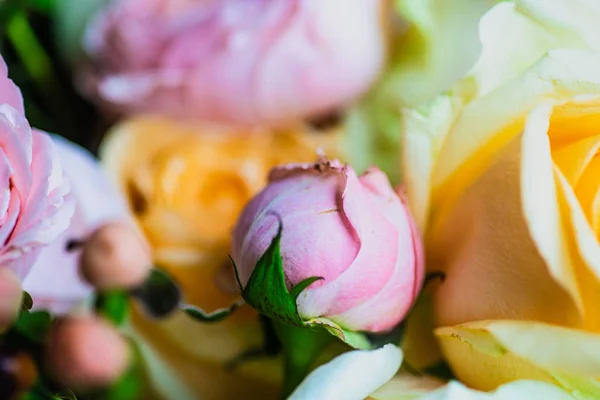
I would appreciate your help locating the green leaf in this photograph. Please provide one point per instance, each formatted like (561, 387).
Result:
(214, 316)
(113, 305)
(34, 326)
(128, 387)
(44, 6)
(266, 290)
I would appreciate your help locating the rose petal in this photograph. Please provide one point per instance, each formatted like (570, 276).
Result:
(351, 376)
(519, 390)
(9, 92)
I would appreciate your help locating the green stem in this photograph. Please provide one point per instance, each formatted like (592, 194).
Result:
(36, 61)
(301, 348)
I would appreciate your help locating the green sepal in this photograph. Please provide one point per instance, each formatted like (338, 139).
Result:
(266, 290)
(159, 295)
(26, 302)
(356, 340)
(214, 316)
(113, 305)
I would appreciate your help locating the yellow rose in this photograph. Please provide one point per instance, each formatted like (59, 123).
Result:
(503, 176)
(186, 185)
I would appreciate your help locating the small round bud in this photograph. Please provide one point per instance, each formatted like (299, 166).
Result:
(11, 297)
(86, 353)
(115, 257)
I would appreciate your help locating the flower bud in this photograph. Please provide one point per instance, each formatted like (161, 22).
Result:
(115, 257)
(353, 232)
(86, 353)
(10, 297)
(234, 60)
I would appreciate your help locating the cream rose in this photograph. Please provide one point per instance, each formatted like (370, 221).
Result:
(503, 176)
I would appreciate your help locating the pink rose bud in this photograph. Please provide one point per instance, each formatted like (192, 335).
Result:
(85, 353)
(115, 257)
(234, 60)
(35, 206)
(10, 297)
(352, 231)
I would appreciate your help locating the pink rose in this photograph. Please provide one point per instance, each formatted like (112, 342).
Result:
(34, 204)
(42, 206)
(354, 232)
(234, 60)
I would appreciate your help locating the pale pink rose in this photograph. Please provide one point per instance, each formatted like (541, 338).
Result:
(354, 232)
(34, 204)
(244, 61)
(54, 281)
(42, 206)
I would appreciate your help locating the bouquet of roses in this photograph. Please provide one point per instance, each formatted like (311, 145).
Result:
(302, 199)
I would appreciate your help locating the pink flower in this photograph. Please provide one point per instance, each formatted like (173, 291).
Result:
(354, 232)
(235, 60)
(42, 206)
(9, 92)
(34, 204)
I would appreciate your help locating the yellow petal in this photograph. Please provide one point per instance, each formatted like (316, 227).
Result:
(486, 354)
(552, 348)
(588, 192)
(575, 120)
(490, 122)
(480, 361)
(584, 247)
(519, 390)
(540, 203)
(482, 247)
(573, 158)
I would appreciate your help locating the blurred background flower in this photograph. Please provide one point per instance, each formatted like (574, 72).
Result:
(232, 60)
